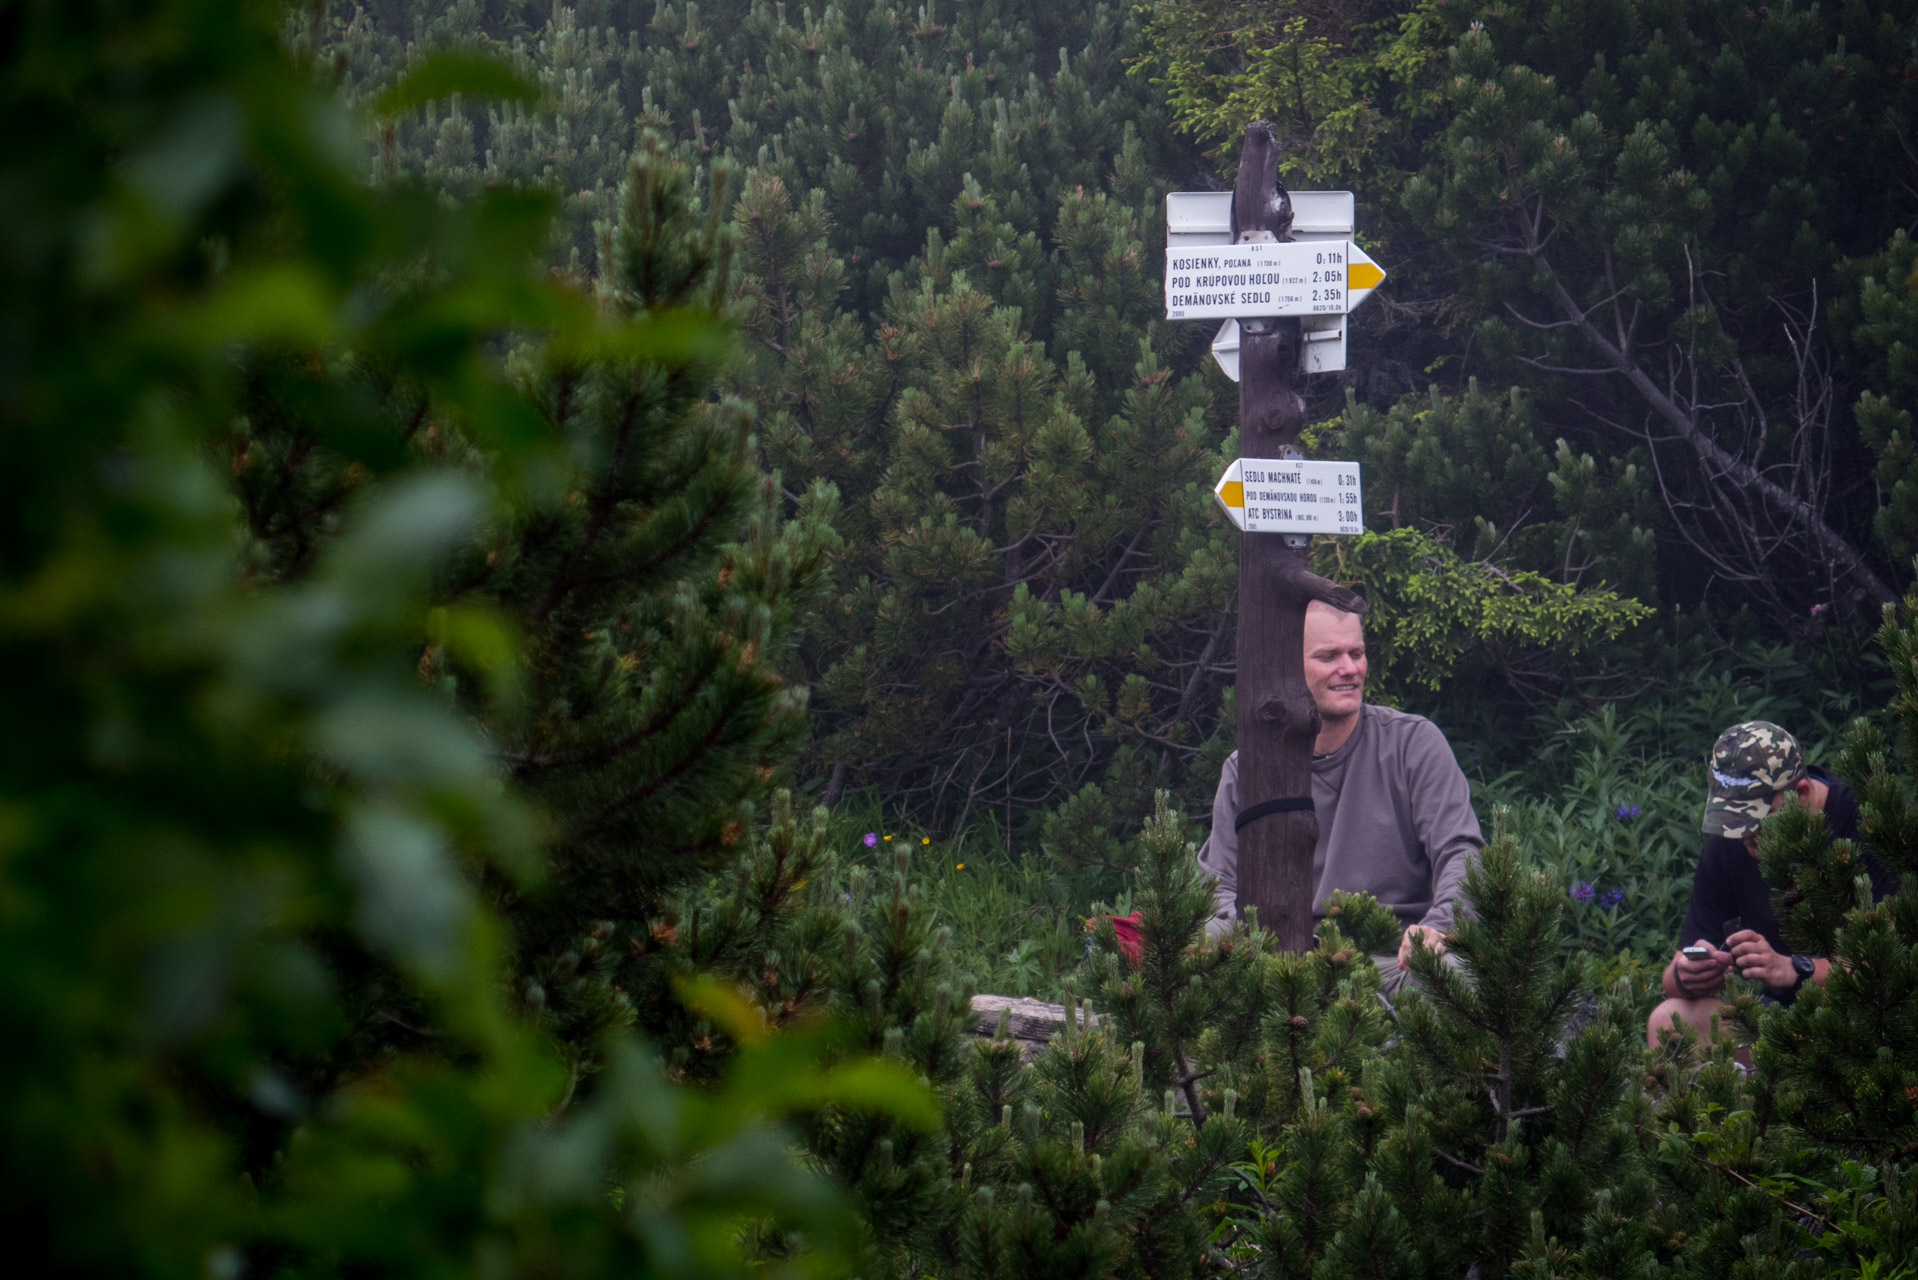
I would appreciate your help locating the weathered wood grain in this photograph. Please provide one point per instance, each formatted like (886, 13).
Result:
(1277, 721)
(1031, 1022)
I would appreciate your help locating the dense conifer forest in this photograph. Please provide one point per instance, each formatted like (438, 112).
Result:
(581, 579)
(948, 221)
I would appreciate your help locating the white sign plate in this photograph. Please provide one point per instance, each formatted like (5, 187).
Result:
(1310, 278)
(1321, 351)
(1205, 217)
(1290, 495)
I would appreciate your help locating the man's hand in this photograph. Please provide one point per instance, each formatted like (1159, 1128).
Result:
(1756, 960)
(1433, 939)
(1701, 976)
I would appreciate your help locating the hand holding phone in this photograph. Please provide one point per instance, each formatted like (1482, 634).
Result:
(1697, 971)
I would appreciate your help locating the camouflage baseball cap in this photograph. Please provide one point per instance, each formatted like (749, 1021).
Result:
(1751, 763)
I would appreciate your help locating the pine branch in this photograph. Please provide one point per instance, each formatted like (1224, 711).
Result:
(1462, 1164)
(600, 511)
(1796, 1208)
(1840, 553)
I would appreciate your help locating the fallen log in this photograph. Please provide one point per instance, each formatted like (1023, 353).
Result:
(1031, 1022)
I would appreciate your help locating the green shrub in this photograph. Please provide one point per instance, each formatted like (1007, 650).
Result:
(248, 903)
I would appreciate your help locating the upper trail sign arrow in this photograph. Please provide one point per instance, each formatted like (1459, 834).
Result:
(1240, 281)
(1199, 225)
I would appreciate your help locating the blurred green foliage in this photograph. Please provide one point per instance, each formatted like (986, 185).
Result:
(275, 887)
(231, 809)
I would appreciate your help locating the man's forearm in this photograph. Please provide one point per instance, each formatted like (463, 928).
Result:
(1448, 886)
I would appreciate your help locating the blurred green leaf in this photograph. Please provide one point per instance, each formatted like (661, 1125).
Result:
(283, 303)
(442, 75)
(725, 1006)
(412, 902)
(674, 337)
(195, 155)
(255, 407)
(878, 1085)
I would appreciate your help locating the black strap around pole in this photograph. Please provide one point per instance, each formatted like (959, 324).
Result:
(1288, 804)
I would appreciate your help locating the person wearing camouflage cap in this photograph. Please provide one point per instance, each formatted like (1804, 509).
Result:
(1756, 768)
(1753, 765)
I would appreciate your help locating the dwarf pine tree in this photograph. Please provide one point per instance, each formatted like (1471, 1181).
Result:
(949, 234)
(656, 587)
(1537, 1116)
(1689, 179)
(1228, 1029)
(890, 977)
(1070, 1166)
(1489, 1132)
(1875, 319)
(1180, 988)
(1076, 1177)
(1472, 470)
(1840, 1059)
(653, 581)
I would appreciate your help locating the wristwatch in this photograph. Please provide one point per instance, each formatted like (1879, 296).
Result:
(1804, 967)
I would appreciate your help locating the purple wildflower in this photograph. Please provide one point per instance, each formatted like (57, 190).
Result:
(1625, 812)
(1583, 890)
(871, 839)
(1611, 897)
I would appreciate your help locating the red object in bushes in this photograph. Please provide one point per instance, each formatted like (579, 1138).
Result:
(1127, 927)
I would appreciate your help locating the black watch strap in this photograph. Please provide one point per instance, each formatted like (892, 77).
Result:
(1803, 966)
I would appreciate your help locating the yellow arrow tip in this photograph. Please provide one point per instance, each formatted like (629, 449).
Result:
(1364, 275)
(1232, 493)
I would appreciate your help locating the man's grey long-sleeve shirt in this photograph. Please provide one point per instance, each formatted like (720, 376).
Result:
(1395, 821)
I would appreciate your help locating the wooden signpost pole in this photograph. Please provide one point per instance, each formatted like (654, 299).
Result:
(1277, 721)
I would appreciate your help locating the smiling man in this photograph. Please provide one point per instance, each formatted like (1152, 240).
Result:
(1395, 812)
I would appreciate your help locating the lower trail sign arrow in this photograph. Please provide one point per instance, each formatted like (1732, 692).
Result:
(1291, 495)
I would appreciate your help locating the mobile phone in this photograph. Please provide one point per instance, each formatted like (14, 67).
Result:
(1696, 953)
